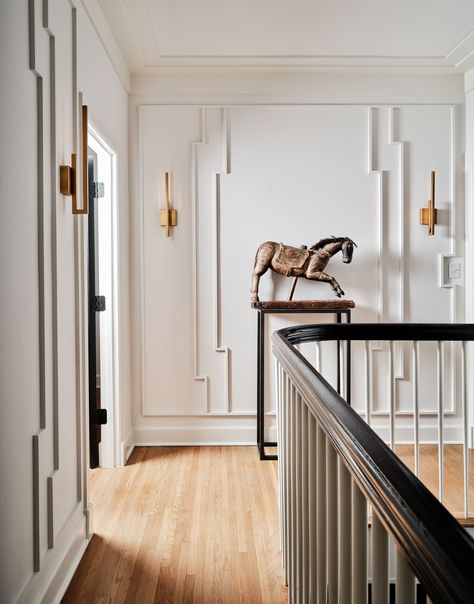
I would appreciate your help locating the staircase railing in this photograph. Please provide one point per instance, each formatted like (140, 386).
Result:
(356, 524)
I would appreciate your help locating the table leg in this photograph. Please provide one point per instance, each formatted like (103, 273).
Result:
(260, 344)
(348, 362)
(338, 320)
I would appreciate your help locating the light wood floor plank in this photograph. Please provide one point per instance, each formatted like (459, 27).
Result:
(200, 525)
(183, 524)
(453, 475)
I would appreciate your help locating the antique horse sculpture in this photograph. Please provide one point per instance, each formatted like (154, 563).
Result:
(301, 262)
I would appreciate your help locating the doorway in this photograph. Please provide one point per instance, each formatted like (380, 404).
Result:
(103, 304)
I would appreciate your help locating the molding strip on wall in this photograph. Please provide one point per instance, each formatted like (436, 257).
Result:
(372, 112)
(43, 319)
(218, 346)
(41, 282)
(198, 376)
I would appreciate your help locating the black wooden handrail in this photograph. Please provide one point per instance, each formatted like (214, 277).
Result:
(439, 549)
(422, 332)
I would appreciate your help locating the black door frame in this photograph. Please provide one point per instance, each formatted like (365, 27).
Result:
(94, 393)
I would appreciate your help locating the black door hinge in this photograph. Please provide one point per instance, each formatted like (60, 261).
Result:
(101, 417)
(97, 303)
(96, 190)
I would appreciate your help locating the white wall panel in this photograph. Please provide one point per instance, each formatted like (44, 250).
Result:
(44, 500)
(167, 281)
(294, 174)
(107, 100)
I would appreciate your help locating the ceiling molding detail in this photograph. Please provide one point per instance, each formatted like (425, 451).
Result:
(159, 36)
(101, 25)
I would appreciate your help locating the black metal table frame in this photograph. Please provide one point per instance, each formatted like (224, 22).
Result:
(261, 442)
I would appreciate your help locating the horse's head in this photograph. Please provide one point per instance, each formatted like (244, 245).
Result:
(347, 250)
(332, 245)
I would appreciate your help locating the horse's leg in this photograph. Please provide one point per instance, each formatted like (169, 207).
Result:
(321, 276)
(255, 281)
(263, 259)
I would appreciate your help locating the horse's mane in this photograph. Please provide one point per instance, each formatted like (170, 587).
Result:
(326, 240)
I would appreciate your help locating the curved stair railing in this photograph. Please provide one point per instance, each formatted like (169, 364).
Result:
(357, 525)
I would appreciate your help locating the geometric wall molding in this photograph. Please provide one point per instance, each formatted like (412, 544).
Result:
(285, 161)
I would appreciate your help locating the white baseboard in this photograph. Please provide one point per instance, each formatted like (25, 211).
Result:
(198, 435)
(428, 434)
(126, 448)
(59, 564)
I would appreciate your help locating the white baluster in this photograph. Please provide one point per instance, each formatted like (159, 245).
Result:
(312, 496)
(416, 407)
(367, 381)
(344, 534)
(304, 503)
(331, 537)
(465, 429)
(439, 372)
(379, 562)
(279, 406)
(405, 581)
(321, 515)
(293, 496)
(298, 502)
(359, 546)
(287, 423)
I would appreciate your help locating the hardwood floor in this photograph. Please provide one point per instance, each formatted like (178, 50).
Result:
(453, 475)
(200, 524)
(184, 524)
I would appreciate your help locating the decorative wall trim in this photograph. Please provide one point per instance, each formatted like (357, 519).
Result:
(42, 319)
(198, 376)
(375, 113)
(126, 448)
(36, 505)
(50, 511)
(218, 346)
(58, 566)
(50, 316)
(144, 54)
(199, 436)
(102, 29)
(239, 88)
(453, 231)
(372, 169)
(393, 135)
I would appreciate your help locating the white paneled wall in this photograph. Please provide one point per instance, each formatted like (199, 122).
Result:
(44, 506)
(244, 174)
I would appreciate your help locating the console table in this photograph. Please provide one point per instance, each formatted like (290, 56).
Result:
(335, 307)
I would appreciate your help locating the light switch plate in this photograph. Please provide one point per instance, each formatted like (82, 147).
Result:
(451, 269)
(454, 270)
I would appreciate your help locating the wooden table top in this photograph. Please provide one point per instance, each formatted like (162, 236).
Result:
(304, 305)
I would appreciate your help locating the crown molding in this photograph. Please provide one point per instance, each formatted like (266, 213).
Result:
(104, 33)
(469, 81)
(223, 87)
(458, 60)
(137, 40)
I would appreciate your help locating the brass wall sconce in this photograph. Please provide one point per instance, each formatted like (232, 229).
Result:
(168, 218)
(68, 174)
(429, 215)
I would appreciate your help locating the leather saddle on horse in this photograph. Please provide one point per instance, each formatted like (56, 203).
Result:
(290, 261)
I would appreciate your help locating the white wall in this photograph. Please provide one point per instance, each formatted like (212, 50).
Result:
(50, 62)
(293, 159)
(469, 88)
(107, 98)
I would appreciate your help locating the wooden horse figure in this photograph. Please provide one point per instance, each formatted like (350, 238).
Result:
(301, 262)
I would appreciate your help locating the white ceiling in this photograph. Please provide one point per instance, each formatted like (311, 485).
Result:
(156, 34)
